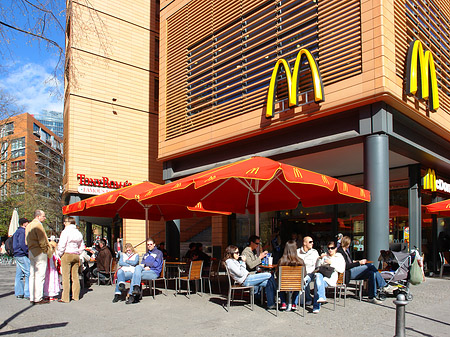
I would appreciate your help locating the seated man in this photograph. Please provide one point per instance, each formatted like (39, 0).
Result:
(149, 269)
(310, 257)
(103, 261)
(253, 259)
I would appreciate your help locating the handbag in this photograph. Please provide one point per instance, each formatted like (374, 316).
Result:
(326, 270)
(415, 273)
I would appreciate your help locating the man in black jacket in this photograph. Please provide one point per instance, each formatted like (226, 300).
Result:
(21, 285)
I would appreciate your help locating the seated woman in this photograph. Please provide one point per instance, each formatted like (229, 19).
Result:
(361, 270)
(336, 261)
(290, 258)
(239, 273)
(128, 260)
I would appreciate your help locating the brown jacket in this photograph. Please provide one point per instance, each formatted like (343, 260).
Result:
(36, 239)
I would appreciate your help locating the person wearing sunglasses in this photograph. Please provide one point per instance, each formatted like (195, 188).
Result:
(253, 258)
(238, 271)
(310, 256)
(361, 270)
(128, 260)
(334, 260)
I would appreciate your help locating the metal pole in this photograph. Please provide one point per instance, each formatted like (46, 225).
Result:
(146, 223)
(400, 303)
(256, 213)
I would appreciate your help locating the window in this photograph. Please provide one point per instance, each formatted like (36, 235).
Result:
(4, 172)
(18, 165)
(18, 143)
(17, 153)
(7, 129)
(18, 188)
(4, 154)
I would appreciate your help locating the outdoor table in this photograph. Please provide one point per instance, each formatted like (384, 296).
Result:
(175, 264)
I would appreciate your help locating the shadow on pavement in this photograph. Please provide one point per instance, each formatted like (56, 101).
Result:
(418, 315)
(34, 328)
(6, 294)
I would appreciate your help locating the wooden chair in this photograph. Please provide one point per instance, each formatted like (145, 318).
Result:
(444, 263)
(290, 278)
(195, 274)
(162, 277)
(232, 287)
(340, 283)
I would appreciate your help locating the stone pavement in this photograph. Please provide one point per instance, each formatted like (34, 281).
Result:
(95, 315)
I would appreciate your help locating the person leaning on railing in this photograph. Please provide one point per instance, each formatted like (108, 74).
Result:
(240, 274)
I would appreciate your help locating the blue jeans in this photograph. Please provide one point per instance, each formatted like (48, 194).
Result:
(294, 297)
(368, 271)
(122, 276)
(265, 280)
(319, 290)
(22, 284)
(308, 278)
(141, 274)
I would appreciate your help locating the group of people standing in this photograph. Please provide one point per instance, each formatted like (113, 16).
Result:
(244, 270)
(39, 261)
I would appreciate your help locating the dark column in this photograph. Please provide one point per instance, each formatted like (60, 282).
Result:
(414, 205)
(109, 237)
(376, 180)
(435, 234)
(88, 234)
(173, 238)
(335, 223)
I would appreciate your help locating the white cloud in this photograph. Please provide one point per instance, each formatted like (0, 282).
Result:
(33, 86)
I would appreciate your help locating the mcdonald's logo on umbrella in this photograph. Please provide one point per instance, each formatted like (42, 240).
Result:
(417, 58)
(293, 81)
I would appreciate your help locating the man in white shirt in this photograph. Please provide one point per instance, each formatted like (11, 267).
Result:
(70, 247)
(310, 257)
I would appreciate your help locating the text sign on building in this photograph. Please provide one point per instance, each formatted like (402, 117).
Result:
(293, 81)
(420, 69)
(431, 183)
(98, 186)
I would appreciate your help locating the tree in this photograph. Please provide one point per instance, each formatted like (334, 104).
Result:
(44, 22)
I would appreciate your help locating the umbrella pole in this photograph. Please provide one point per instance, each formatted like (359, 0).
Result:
(146, 222)
(256, 213)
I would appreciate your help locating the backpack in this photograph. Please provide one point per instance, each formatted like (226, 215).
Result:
(9, 246)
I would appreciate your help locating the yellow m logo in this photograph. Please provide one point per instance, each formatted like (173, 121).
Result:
(253, 171)
(345, 187)
(418, 59)
(325, 180)
(429, 181)
(293, 81)
(297, 173)
(109, 198)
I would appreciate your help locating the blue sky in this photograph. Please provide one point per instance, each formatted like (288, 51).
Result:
(27, 72)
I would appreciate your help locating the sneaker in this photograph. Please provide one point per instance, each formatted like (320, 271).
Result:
(322, 300)
(122, 287)
(136, 290)
(19, 297)
(294, 307)
(273, 306)
(116, 298)
(316, 311)
(375, 301)
(283, 306)
(289, 308)
(389, 289)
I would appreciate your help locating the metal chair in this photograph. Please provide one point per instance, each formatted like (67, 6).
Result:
(358, 288)
(290, 278)
(232, 287)
(340, 283)
(209, 276)
(444, 264)
(195, 274)
(110, 274)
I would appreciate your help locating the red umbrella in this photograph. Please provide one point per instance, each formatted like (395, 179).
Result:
(123, 202)
(441, 208)
(256, 185)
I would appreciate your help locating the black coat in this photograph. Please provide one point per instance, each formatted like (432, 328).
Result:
(349, 264)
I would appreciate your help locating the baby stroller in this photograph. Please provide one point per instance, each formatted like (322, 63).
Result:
(396, 267)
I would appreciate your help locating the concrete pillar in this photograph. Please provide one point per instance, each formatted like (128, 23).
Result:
(414, 206)
(376, 180)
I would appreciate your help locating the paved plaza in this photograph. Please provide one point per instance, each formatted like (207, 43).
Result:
(95, 315)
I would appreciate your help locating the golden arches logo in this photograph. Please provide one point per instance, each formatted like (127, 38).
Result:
(177, 185)
(345, 187)
(417, 58)
(297, 173)
(325, 180)
(109, 198)
(210, 178)
(293, 81)
(429, 180)
(149, 193)
(362, 193)
(199, 205)
(80, 206)
(253, 171)
(91, 202)
(448, 205)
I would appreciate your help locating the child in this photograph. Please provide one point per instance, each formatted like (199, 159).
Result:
(52, 284)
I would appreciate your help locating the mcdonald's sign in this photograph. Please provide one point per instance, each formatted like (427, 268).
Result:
(431, 183)
(428, 88)
(293, 81)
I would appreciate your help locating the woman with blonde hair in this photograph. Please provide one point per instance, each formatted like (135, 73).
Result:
(290, 258)
(128, 260)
